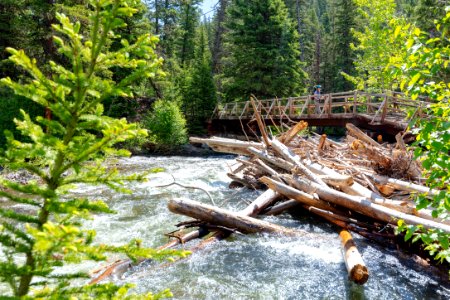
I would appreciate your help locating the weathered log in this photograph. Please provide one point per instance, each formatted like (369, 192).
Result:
(365, 206)
(227, 218)
(295, 194)
(292, 132)
(337, 180)
(357, 133)
(226, 145)
(260, 203)
(357, 270)
(295, 159)
(281, 207)
(404, 185)
(276, 161)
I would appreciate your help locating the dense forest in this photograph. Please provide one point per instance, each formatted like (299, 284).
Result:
(267, 48)
(83, 80)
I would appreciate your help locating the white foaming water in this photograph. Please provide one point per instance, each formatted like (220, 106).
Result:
(257, 266)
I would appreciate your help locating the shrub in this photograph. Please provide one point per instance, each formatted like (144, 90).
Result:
(166, 124)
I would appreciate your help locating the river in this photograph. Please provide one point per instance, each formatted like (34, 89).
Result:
(244, 266)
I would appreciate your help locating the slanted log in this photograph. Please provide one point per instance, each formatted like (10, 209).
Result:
(292, 132)
(357, 270)
(226, 218)
(365, 206)
(295, 194)
(260, 203)
(360, 135)
(295, 159)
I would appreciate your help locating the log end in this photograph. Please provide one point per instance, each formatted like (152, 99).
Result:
(359, 274)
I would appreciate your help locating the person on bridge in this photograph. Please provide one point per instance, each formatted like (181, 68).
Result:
(317, 95)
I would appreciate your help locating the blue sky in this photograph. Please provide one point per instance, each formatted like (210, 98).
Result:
(207, 6)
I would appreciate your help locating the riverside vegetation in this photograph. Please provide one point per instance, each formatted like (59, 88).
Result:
(68, 149)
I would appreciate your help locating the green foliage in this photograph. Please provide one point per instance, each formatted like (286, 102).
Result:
(264, 57)
(376, 46)
(425, 71)
(199, 98)
(67, 150)
(343, 16)
(166, 124)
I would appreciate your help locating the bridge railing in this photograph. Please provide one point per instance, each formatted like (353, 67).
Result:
(380, 107)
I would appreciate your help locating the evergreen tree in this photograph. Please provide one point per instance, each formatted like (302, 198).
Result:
(189, 14)
(264, 55)
(200, 98)
(341, 39)
(46, 232)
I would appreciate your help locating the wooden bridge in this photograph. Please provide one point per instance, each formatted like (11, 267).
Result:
(387, 113)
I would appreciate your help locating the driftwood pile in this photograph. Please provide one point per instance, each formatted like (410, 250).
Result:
(360, 185)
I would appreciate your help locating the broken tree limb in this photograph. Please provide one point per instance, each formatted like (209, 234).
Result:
(357, 270)
(226, 218)
(292, 132)
(262, 127)
(357, 133)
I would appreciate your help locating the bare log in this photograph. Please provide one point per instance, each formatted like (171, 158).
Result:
(281, 207)
(357, 270)
(404, 185)
(226, 145)
(365, 206)
(357, 133)
(260, 203)
(295, 159)
(292, 132)
(295, 194)
(227, 218)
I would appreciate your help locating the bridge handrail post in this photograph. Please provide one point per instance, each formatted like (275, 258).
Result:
(384, 113)
(355, 102)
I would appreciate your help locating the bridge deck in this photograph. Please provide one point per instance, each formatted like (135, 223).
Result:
(388, 112)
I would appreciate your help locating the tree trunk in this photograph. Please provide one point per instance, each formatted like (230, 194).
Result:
(230, 220)
(357, 270)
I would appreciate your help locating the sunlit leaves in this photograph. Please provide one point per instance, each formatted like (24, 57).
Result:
(424, 71)
(71, 148)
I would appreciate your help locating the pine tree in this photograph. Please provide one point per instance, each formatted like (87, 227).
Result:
(189, 17)
(200, 98)
(342, 17)
(46, 233)
(264, 55)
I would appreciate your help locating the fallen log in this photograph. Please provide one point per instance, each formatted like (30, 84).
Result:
(295, 159)
(404, 185)
(295, 194)
(260, 203)
(357, 270)
(281, 207)
(226, 145)
(227, 218)
(360, 135)
(365, 206)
